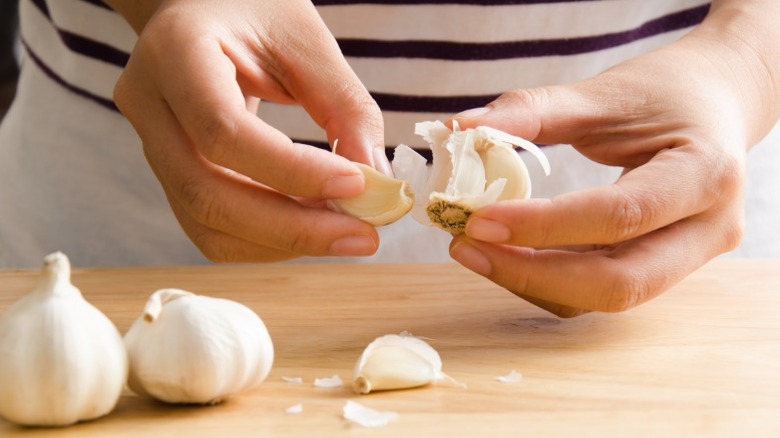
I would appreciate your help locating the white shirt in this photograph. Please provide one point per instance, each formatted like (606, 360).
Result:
(73, 176)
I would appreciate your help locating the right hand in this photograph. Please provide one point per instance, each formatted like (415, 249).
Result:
(240, 188)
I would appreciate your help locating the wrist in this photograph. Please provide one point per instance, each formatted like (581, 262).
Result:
(136, 12)
(742, 39)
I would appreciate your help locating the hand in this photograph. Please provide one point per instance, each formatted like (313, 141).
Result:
(680, 121)
(241, 189)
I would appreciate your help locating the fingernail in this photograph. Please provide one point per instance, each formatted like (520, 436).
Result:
(381, 162)
(471, 258)
(359, 245)
(343, 186)
(474, 112)
(487, 230)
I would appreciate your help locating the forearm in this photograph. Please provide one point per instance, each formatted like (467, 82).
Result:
(742, 40)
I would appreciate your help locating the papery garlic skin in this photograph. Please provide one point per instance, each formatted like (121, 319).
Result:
(61, 359)
(383, 201)
(189, 348)
(396, 362)
(471, 169)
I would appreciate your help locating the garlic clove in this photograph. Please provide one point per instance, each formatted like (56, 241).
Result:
(502, 162)
(396, 362)
(450, 213)
(384, 200)
(189, 348)
(495, 136)
(61, 360)
(471, 168)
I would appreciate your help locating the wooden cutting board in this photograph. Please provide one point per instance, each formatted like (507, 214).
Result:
(701, 360)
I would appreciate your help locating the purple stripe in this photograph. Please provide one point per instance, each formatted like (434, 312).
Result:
(86, 46)
(389, 150)
(97, 3)
(107, 103)
(519, 49)
(43, 7)
(431, 104)
(94, 49)
(441, 49)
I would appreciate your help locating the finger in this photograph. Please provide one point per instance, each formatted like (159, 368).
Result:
(593, 114)
(639, 202)
(224, 248)
(233, 204)
(538, 114)
(211, 107)
(320, 79)
(611, 279)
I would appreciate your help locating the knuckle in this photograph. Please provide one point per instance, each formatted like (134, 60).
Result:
(210, 247)
(218, 136)
(294, 234)
(121, 93)
(297, 241)
(628, 289)
(533, 97)
(201, 202)
(625, 219)
(733, 237)
(731, 174)
(363, 107)
(733, 232)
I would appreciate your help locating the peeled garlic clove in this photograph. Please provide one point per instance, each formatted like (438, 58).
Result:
(61, 359)
(384, 200)
(396, 362)
(189, 348)
(504, 163)
(471, 169)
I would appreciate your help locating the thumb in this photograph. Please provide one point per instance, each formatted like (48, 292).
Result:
(548, 115)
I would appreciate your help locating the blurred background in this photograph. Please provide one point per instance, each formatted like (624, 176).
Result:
(9, 66)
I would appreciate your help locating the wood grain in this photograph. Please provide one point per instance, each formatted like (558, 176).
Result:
(701, 360)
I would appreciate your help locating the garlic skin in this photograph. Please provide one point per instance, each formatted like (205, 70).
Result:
(471, 168)
(189, 348)
(396, 362)
(61, 359)
(383, 201)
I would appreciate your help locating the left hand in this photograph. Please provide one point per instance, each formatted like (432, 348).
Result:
(680, 121)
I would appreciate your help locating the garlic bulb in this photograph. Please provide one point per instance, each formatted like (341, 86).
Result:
(471, 168)
(61, 359)
(384, 200)
(396, 362)
(188, 348)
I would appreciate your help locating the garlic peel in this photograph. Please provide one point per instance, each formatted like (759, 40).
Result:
(189, 348)
(61, 359)
(328, 382)
(396, 362)
(383, 201)
(512, 377)
(471, 169)
(410, 166)
(367, 417)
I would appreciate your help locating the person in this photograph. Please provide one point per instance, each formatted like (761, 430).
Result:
(665, 98)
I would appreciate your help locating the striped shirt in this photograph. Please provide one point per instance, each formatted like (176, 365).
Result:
(69, 160)
(420, 60)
